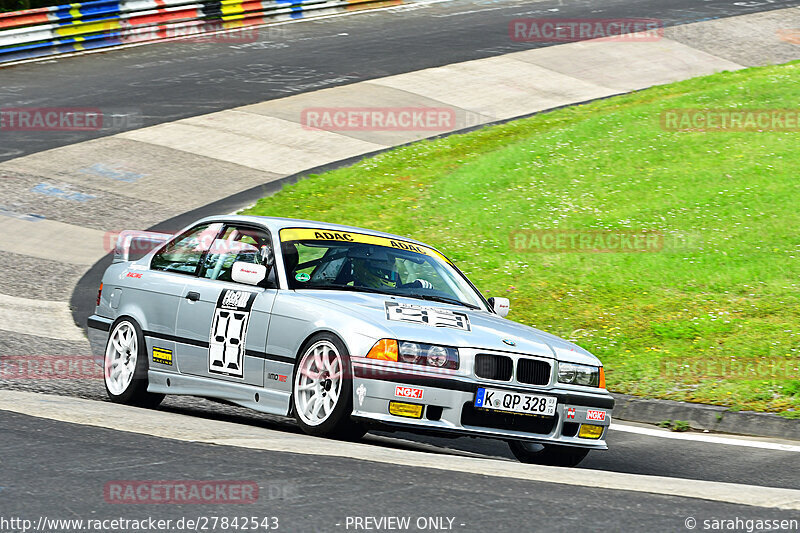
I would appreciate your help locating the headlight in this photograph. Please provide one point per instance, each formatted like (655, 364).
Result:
(427, 354)
(437, 356)
(410, 352)
(579, 374)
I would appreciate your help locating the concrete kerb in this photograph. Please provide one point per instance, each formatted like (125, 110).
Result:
(705, 417)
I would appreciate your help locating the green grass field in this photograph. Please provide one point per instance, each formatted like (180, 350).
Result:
(713, 316)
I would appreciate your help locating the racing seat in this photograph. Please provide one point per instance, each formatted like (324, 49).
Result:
(290, 258)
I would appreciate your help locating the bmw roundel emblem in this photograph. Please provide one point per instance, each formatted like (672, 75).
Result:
(509, 342)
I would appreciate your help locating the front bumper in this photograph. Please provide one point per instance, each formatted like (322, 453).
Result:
(449, 406)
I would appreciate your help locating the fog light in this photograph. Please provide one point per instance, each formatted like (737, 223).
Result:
(408, 410)
(590, 432)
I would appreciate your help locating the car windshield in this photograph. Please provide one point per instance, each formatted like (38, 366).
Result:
(336, 260)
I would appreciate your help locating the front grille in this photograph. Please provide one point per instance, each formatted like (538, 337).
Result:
(533, 372)
(498, 367)
(470, 416)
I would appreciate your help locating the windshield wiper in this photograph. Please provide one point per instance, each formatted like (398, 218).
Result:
(352, 288)
(442, 299)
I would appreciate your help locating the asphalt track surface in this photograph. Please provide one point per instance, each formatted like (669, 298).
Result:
(634, 454)
(627, 453)
(168, 81)
(310, 493)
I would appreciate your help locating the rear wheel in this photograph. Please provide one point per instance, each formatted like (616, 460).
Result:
(322, 391)
(547, 454)
(125, 366)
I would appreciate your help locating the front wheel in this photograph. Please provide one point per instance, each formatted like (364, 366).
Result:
(125, 366)
(547, 454)
(322, 391)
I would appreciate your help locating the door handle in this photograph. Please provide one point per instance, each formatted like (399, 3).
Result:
(193, 296)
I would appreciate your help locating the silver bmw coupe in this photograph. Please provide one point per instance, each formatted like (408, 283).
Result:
(345, 329)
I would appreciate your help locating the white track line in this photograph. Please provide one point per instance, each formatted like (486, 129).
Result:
(712, 439)
(192, 429)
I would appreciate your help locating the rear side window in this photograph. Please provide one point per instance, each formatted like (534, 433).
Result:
(183, 254)
(236, 243)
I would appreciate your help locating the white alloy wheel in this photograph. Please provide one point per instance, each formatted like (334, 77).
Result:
(318, 382)
(120, 361)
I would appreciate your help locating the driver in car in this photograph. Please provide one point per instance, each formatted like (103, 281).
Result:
(381, 275)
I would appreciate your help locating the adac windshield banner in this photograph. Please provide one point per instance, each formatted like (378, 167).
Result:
(310, 234)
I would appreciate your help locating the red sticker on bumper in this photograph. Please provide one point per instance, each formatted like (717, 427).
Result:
(408, 392)
(599, 416)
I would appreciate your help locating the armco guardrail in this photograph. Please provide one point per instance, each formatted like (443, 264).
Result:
(103, 23)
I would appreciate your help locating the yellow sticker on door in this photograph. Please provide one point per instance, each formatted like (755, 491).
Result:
(162, 356)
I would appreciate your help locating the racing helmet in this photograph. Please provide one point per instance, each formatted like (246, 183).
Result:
(374, 274)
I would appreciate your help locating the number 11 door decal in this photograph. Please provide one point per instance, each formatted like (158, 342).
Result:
(228, 333)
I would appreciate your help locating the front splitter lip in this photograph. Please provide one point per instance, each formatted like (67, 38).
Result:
(388, 421)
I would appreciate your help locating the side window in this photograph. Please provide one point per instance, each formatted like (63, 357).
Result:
(307, 259)
(318, 264)
(183, 254)
(410, 272)
(236, 243)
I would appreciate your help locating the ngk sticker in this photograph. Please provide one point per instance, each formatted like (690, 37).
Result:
(408, 392)
(593, 414)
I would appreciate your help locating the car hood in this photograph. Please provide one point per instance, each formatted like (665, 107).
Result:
(487, 331)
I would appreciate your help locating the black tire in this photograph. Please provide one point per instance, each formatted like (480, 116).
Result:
(338, 423)
(549, 454)
(135, 393)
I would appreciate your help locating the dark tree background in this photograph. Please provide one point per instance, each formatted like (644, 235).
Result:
(16, 5)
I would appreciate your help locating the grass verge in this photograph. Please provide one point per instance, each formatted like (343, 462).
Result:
(711, 315)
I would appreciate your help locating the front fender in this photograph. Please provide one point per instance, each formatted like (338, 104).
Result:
(296, 317)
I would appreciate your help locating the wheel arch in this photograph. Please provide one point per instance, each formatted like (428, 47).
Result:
(309, 337)
(134, 312)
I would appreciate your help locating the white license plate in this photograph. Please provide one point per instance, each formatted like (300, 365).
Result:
(515, 402)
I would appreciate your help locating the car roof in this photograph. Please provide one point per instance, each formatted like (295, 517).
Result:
(275, 224)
